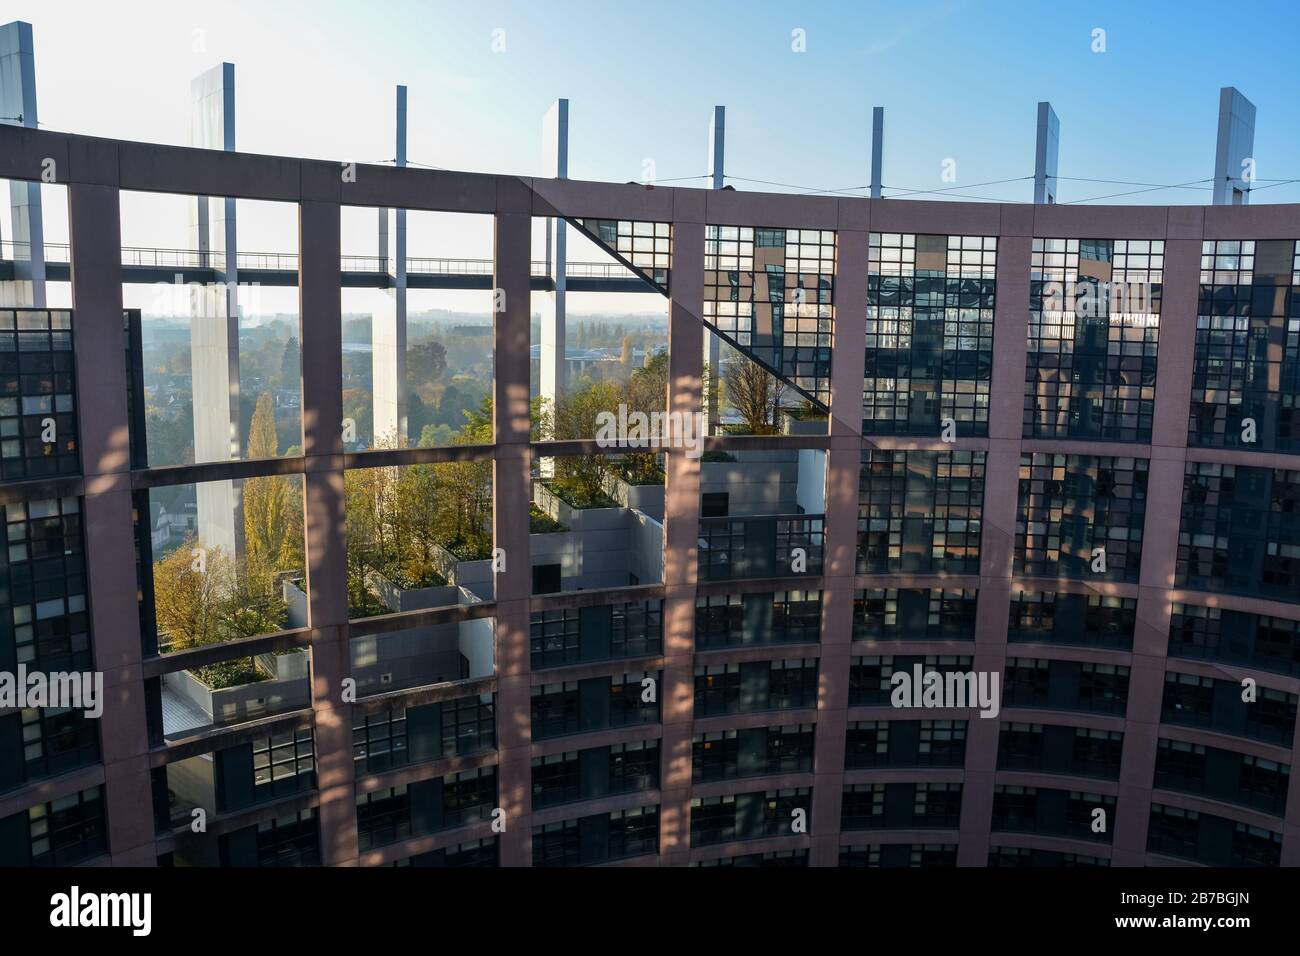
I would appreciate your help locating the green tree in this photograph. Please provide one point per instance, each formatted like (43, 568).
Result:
(582, 479)
(170, 440)
(754, 393)
(266, 504)
(647, 391)
(202, 596)
(425, 363)
(188, 595)
(371, 533)
(291, 365)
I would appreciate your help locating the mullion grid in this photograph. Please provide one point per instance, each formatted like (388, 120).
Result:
(42, 570)
(554, 637)
(468, 796)
(379, 740)
(383, 817)
(792, 683)
(1227, 261)
(940, 531)
(950, 615)
(1098, 500)
(1109, 621)
(1077, 388)
(284, 763)
(646, 245)
(68, 830)
(1270, 643)
(1240, 530)
(636, 629)
(289, 841)
(771, 291)
(720, 619)
(469, 725)
(37, 390)
(55, 740)
(1247, 360)
(929, 336)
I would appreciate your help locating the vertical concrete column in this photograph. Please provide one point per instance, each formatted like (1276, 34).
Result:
(214, 322)
(1177, 352)
(553, 373)
(388, 329)
(843, 470)
(998, 521)
(681, 536)
(94, 224)
(327, 570)
(1046, 147)
(1234, 148)
(511, 494)
(18, 108)
(877, 150)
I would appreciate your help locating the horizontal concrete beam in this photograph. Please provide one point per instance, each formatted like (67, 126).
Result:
(187, 171)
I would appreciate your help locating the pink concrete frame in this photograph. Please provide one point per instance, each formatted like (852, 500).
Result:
(95, 170)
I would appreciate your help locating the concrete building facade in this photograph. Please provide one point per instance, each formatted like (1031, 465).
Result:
(1099, 533)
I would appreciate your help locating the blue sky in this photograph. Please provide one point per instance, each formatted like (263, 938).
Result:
(959, 79)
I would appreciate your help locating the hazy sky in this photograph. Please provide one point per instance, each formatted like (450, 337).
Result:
(959, 80)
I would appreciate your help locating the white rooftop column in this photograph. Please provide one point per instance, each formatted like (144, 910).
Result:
(552, 376)
(877, 149)
(214, 318)
(18, 108)
(717, 145)
(712, 343)
(388, 328)
(1235, 150)
(1046, 147)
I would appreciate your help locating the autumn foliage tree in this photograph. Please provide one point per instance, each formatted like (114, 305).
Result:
(205, 595)
(647, 391)
(754, 393)
(401, 520)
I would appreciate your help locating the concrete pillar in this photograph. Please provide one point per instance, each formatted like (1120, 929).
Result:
(214, 321)
(552, 377)
(681, 541)
(877, 149)
(843, 467)
(717, 146)
(320, 294)
(998, 524)
(1046, 146)
(18, 108)
(1235, 150)
(712, 343)
(388, 328)
(95, 232)
(1176, 360)
(510, 501)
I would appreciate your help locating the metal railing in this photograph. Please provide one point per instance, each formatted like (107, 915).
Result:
(149, 257)
(54, 251)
